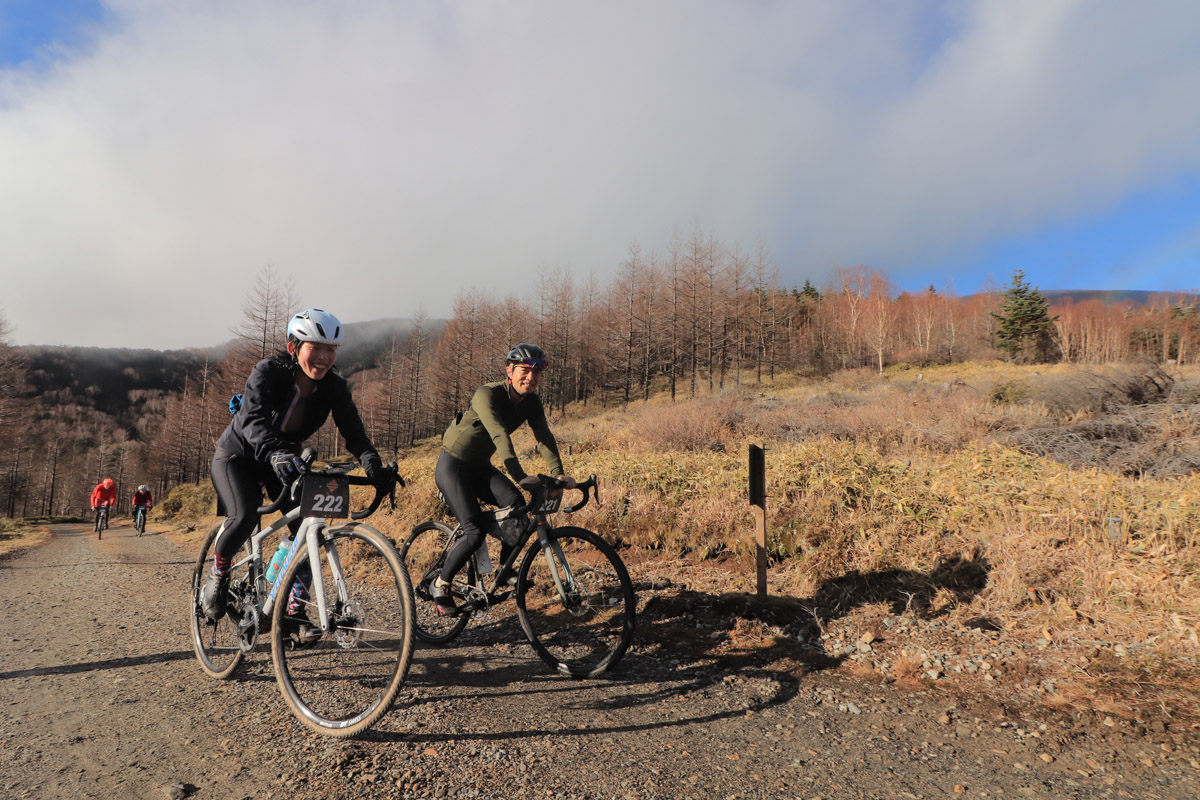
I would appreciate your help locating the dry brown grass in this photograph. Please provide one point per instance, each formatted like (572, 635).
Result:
(906, 665)
(16, 536)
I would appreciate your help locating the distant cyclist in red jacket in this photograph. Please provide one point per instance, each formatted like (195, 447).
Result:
(105, 494)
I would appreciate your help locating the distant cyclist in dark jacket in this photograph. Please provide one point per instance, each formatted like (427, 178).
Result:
(286, 400)
(464, 472)
(142, 498)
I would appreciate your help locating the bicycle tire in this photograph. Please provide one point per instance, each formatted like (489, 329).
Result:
(215, 642)
(344, 682)
(589, 634)
(423, 553)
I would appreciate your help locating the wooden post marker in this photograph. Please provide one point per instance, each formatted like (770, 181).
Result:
(758, 504)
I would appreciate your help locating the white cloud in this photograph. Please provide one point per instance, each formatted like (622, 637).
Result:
(389, 154)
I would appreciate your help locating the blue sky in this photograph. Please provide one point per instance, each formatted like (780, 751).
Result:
(387, 154)
(29, 28)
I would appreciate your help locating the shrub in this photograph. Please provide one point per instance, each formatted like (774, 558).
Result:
(188, 502)
(692, 427)
(1009, 393)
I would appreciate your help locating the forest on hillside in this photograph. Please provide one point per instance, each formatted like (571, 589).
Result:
(703, 317)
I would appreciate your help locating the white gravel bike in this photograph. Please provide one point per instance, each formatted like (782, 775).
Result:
(360, 597)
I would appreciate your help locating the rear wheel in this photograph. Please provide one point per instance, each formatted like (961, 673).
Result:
(576, 602)
(341, 683)
(424, 552)
(220, 643)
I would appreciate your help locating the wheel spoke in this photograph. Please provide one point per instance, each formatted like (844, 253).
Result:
(216, 642)
(576, 603)
(343, 681)
(424, 553)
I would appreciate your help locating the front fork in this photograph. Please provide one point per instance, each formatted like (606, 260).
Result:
(310, 533)
(564, 581)
(318, 579)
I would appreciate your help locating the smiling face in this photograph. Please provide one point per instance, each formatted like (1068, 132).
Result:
(524, 378)
(315, 358)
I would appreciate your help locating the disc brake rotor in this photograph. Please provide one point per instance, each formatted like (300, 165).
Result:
(347, 624)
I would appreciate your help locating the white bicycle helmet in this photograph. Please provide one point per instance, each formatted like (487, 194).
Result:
(143, 488)
(315, 325)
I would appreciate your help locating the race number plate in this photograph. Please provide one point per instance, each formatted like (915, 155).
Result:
(325, 496)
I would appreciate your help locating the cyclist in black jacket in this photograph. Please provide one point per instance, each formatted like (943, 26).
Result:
(287, 399)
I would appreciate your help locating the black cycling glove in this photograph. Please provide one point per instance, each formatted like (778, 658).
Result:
(372, 464)
(287, 465)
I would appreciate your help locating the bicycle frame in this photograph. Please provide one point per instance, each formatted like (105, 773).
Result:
(551, 551)
(309, 533)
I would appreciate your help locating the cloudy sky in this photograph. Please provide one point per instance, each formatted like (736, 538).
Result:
(155, 155)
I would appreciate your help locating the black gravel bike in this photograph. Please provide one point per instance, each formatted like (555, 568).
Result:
(360, 597)
(101, 524)
(575, 600)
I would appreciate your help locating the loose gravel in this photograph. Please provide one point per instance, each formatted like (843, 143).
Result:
(100, 697)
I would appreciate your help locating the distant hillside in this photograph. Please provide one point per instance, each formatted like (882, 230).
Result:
(1136, 298)
(109, 379)
(366, 341)
(117, 381)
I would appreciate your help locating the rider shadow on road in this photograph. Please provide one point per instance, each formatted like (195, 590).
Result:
(732, 628)
(527, 700)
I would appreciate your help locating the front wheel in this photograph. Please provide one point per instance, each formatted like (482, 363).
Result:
(344, 681)
(576, 602)
(424, 552)
(219, 643)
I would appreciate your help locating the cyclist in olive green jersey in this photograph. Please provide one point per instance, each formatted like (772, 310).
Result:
(465, 474)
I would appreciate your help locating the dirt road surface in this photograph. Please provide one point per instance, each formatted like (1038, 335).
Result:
(100, 697)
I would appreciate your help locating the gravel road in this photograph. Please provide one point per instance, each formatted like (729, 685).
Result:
(100, 697)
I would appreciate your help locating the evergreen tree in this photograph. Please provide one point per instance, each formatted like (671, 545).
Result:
(810, 293)
(1025, 328)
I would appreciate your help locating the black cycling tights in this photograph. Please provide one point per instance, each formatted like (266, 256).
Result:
(464, 485)
(239, 482)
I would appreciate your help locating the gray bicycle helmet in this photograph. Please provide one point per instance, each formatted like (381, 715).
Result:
(528, 354)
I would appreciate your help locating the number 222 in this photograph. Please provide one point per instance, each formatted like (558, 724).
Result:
(327, 502)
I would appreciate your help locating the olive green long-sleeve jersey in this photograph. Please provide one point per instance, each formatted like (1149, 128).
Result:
(487, 424)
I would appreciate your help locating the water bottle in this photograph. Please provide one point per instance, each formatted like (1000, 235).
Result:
(281, 554)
